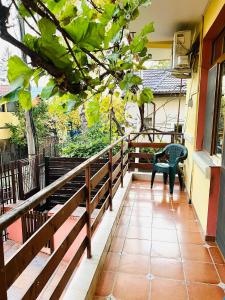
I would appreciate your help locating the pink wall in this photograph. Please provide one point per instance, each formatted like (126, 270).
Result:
(65, 229)
(15, 230)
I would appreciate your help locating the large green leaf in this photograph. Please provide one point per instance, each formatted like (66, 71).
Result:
(138, 44)
(18, 70)
(25, 99)
(47, 28)
(146, 96)
(78, 28)
(149, 28)
(30, 41)
(94, 36)
(68, 13)
(55, 51)
(47, 91)
(10, 97)
(55, 6)
(129, 80)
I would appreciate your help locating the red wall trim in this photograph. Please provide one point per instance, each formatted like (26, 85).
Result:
(213, 32)
(206, 62)
(214, 195)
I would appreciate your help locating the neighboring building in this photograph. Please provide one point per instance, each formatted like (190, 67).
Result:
(162, 113)
(6, 116)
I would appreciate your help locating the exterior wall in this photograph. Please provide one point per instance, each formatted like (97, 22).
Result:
(6, 117)
(164, 116)
(200, 195)
(200, 187)
(191, 125)
(211, 13)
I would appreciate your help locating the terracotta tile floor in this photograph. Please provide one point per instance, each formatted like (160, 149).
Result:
(158, 251)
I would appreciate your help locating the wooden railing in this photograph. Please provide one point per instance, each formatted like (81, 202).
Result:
(113, 172)
(142, 161)
(110, 175)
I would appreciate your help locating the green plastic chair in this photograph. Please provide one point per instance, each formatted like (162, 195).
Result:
(175, 153)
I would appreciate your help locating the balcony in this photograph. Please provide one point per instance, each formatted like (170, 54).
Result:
(110, 232)
(158, 252)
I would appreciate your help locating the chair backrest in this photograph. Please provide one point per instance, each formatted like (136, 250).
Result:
(173, 151)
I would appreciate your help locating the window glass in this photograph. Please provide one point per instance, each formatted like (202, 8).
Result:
(11, 106)
(221, 114)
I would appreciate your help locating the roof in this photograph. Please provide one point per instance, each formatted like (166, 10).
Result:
(4, 89)
(162, 82)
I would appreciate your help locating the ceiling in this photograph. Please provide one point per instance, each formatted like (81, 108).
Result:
(170, 16)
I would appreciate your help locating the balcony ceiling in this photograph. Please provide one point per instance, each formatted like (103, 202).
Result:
(170, 16)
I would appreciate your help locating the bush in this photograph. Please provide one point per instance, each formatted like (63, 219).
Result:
(86, 144)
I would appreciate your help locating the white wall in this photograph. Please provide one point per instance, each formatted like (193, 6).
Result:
(166, 112)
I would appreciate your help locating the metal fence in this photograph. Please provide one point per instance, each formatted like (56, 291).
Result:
(20, 179)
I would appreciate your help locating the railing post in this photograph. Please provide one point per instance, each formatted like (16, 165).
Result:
(3, 289)
(20, 180)
(121, 164)
(13, 181)
(88, 207)
(46, 160)
(37, 173)
(110, 178)
(128, 162)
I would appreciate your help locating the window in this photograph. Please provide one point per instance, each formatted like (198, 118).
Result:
(210, 109)
(220, 118)
(148, 122)
(218, 47)
(215, 100)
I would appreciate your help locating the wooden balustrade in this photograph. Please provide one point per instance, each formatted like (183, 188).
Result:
(109, 175)
(105, 181)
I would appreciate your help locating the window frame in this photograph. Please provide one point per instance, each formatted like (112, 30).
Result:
(219, 61)
(217, 110)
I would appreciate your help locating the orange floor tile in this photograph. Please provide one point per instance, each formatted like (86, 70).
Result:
(158, 252)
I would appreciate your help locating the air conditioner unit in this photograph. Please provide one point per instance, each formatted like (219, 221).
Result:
(181, 48)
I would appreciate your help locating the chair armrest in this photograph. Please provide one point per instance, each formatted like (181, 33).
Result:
(158, 155)
(180, 159)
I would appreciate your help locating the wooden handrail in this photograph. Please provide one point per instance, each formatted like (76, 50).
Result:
(158, 132)
(97, 190)
(16, 213)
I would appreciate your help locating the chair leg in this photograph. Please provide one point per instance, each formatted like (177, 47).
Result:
(153, 177)
(180, 180)
(171, 180)
(165, 177)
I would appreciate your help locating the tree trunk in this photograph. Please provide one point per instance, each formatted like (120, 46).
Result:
(30, 135)
(84, 124)
(30, 129)
(142, 118)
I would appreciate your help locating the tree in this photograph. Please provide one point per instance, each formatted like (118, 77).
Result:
(81, 46)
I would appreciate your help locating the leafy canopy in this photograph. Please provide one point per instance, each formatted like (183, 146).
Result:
(81, 47)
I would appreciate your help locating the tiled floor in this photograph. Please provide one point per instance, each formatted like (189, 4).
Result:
(158, 251)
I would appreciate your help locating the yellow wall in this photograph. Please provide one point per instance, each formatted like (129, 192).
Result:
(197, 183)
(6, 117)
(211, 13)
(200, 195)
(191, 123)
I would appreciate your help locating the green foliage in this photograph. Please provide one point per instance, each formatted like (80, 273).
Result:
(83, 48)
(18, 70)
(41, 123)
(87, 144)
(146, 96)
(25, 99)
